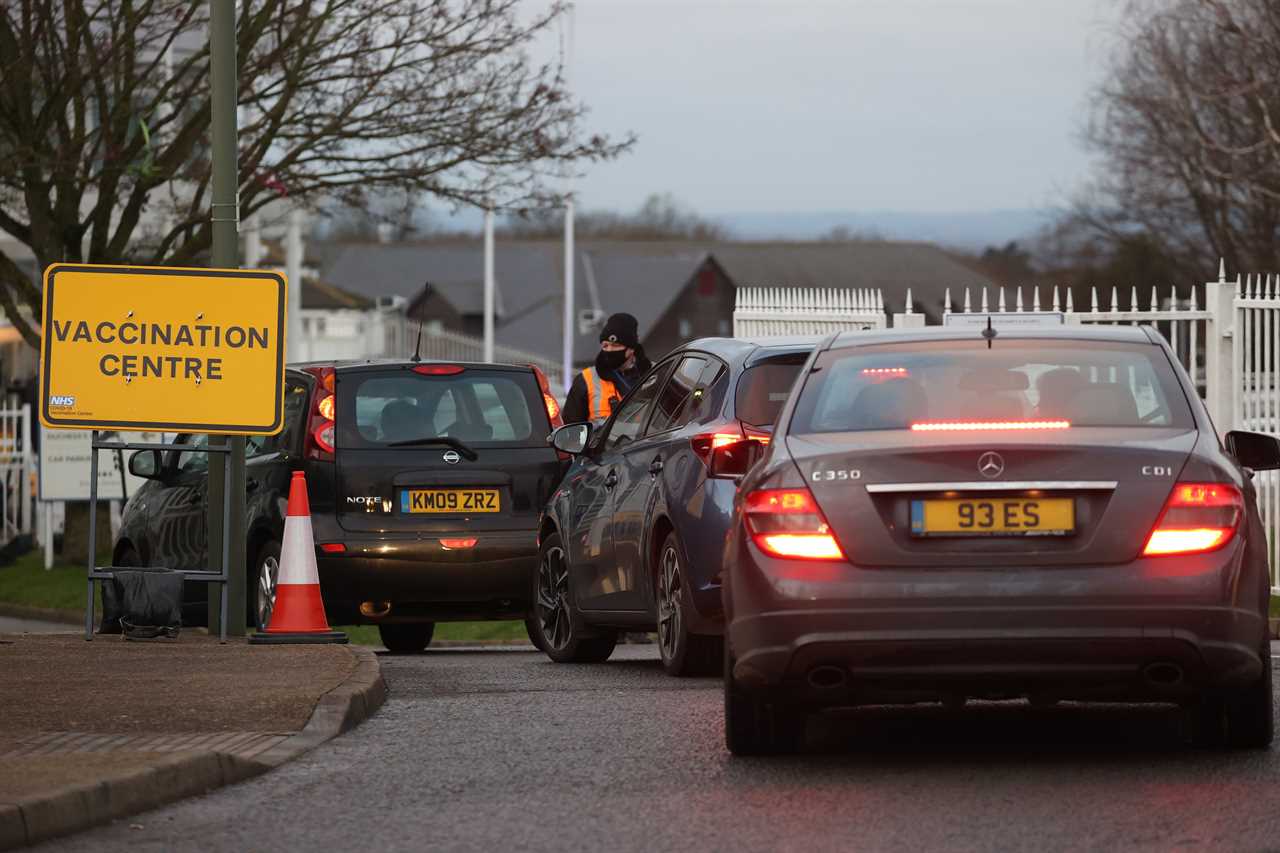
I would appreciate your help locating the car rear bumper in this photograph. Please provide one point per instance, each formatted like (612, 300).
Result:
(423, 580)
(1081, 633)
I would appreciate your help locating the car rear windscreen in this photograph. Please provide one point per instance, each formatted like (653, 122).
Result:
(764, 387)
(940, 383)
(477, 407)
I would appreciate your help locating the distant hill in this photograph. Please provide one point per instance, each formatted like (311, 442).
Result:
(972, 230)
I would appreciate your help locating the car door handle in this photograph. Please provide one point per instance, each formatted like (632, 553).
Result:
(611, 480)
(655, 467)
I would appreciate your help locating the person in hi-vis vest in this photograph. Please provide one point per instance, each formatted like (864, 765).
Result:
(620, 364)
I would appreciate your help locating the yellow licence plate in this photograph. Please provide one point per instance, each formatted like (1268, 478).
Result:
(449, 500)
(986, 516)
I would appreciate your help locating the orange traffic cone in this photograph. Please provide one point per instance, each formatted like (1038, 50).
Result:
(298, 616)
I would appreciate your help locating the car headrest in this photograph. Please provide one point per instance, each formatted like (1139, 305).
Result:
(889, 405)
(401, 421)
(1102, 404)
(1056, 387)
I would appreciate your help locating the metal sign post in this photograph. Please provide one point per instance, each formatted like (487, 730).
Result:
(98, 573)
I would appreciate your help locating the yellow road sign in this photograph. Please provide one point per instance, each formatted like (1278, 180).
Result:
(162, 348)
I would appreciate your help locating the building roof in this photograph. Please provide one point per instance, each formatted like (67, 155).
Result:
(318, 294)
(638, 277)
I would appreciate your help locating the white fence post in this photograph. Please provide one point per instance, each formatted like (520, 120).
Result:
(1220, 385)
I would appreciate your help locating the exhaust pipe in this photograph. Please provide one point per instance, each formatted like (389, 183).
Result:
(1162, 674)
(374, 609)
(827, 678)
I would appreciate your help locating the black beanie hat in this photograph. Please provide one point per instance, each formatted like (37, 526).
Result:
(622, 329)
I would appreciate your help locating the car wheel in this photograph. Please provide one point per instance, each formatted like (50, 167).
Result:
(1241, 718)
(264, 573)
(531, 628)
(406, 637)
(683, 653)
(755, 725)
(555, 627)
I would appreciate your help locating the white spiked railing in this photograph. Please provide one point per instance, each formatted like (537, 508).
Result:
(778, 311)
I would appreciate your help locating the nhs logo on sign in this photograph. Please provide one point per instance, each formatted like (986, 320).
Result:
(61, 401)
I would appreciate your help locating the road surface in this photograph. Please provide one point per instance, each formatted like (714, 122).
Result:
(501, 750)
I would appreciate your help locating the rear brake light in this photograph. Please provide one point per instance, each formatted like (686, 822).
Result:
(553, 408)
(333, 547)
(975, 426)
(320, 422)
(707, 443)
(1197, 518)
(458, 544)
(886, 372)
(788, 523)
(438, 369)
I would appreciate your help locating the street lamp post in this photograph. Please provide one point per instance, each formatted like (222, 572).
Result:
(226, 255)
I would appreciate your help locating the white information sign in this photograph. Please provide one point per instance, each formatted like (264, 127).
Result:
(64, 464)
(1006, 319)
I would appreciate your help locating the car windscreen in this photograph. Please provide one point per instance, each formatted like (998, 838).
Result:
(765, 386)
(481, 408)
(924, 385)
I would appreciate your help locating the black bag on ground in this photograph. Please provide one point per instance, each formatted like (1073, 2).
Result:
(142, 603)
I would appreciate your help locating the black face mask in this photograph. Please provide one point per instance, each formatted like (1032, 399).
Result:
(611, 361)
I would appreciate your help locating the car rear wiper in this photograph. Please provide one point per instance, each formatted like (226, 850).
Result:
(437, 439)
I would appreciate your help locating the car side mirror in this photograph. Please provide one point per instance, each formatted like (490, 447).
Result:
(145, 464)
(1255, 450)
(571, 438)
(733, 461)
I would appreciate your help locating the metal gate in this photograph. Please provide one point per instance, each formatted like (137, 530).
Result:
(17, 471)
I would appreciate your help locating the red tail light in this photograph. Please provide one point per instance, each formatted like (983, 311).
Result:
(333, 547)
(788, 523)
(1197, 518)
(979, 426)
(707, 443)
(320, 423)
(553, 408)
(438, 369)
(458, 544)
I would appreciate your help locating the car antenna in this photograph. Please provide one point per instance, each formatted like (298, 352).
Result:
(417, 348)
(989, 332)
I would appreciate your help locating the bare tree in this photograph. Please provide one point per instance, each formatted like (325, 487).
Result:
(104, 118)
(1187, 124)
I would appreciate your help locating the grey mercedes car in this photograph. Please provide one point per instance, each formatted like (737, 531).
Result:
(945, 514)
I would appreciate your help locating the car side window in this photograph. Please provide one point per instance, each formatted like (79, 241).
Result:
(196, 459)
(673, 409)
(295, 412)
(707, 394)
(630, 419)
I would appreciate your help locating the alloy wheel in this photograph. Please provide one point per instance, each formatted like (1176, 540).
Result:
(553, 599)
(669, 592)
(268, 571)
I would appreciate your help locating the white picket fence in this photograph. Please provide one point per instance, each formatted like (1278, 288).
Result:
(17, 472)
(1230, 345)
(765, 312)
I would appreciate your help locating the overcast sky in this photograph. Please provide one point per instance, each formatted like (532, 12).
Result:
(817, 105)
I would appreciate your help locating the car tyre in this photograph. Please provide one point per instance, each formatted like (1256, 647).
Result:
(406, 638)
(1240, 718)
(555, 626)
(264, 573)
(683, 653)
(756, 725)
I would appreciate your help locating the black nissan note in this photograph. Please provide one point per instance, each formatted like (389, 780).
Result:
(425, 481)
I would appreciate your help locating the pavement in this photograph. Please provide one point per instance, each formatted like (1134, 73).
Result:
(499, 749)
(92, 732)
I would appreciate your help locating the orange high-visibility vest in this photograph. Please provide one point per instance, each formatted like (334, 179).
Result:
(601, 395)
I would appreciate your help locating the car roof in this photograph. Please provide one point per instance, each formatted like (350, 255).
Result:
(1090, 332)
(753, 349)
(346, 364)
